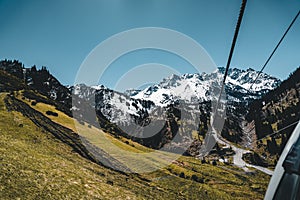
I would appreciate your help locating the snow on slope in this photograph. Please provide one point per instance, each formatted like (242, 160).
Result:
(193, 88)
(115, 106)
(245, 78)
(188, 88)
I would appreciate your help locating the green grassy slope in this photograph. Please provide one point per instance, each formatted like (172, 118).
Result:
(37, 165)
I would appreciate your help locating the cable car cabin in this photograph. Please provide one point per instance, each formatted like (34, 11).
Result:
(285, 182)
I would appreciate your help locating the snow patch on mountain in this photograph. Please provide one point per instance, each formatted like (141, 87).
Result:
(192, 88)
(245, 78)
(189, 89)
(115, 106)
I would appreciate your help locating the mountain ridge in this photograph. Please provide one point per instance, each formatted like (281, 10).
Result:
(126, 110)
(198, 85)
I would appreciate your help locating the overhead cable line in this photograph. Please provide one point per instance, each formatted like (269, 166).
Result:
(237, 28)
(278, 131)
(241, 13)
(267, 61)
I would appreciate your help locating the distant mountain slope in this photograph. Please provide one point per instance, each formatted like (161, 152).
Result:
(279, 109)
(187, 89)
(115, 106)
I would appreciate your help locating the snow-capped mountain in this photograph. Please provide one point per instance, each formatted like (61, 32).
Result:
(190, 89)
(245, 78)
(193, 88)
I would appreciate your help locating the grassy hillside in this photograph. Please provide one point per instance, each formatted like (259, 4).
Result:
(37, 165)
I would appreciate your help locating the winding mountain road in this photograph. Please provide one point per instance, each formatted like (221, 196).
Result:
(238, 157)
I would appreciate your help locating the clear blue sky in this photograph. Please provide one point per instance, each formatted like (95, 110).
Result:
(60, 34)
